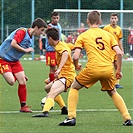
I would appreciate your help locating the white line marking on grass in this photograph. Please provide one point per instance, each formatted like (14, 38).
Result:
(82, 110)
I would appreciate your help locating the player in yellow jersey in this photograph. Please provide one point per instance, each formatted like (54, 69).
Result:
(64, 74)
(116, 31)
(98, 44)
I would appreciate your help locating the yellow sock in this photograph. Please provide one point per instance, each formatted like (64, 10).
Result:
(120, 104)
(48, 104)
(72, 103)
(60, 101)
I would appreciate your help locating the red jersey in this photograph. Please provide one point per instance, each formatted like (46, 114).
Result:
(130, 37)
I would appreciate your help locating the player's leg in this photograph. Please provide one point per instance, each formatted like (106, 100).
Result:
(117, 84)
(8, 76)
(57, 99)
(51, 73)
(48, 87)
(83, 79)
(22, 91)
(18, 72)
(108, 84)
(120, 105)
(72, 105)
(51, 62)
(57, 88)
(6, 71)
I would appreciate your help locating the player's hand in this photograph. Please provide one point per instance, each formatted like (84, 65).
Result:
(79, 67)
(30, 49)
(57, 72)
(119, 75)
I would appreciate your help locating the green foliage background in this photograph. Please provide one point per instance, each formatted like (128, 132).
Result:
(12, 121)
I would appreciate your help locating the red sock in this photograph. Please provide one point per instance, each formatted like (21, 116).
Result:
(51, 76)
(22, 93)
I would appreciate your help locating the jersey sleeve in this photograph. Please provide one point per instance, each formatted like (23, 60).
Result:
(19, 35)
(106, 28)
(70, 45)
(120, 36)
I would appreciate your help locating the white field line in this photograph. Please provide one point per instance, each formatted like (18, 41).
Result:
(82, 110)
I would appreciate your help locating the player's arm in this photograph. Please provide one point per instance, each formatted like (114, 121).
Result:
(121, 46)
(18, 37)
(76, 57)
(119, 61)
(19, 48)
(62, 63)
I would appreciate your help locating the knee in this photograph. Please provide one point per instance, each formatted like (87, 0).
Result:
(11, 83)
(22, 81)
(47, 88)
(51, 95)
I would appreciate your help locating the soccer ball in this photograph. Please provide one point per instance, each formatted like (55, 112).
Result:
(43, 101)
(42, 57)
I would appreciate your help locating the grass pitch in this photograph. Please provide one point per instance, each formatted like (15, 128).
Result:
(96, 112)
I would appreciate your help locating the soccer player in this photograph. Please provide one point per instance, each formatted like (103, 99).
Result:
(116, 31)
(130, 40)
(50, 51)
(50, 55)
(98, 44)
(64, 74)
(12, 49)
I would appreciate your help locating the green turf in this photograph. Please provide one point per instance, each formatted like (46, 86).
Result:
(90, 118)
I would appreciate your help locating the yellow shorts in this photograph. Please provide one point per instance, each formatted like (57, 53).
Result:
(66, 81)
(89, 76)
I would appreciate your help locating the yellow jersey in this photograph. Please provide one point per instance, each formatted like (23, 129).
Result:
(68, 70)
(98, 44)
(116, 32)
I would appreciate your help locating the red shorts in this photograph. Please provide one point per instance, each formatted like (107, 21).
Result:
(13, 67)
(51, 58)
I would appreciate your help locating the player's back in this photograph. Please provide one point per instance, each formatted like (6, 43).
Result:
(98, 45)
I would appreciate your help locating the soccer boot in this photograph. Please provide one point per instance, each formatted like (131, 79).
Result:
(64, 111)
(68, 122)
(25, 109)
(128, 123)
(44, 114)
(117, 86)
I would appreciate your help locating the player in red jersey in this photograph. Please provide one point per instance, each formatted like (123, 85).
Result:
(17, 44)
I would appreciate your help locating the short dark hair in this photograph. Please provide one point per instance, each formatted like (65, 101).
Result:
(113, 14)
(53, 33)
(54, 14)
(94, 17)
(39, 23)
